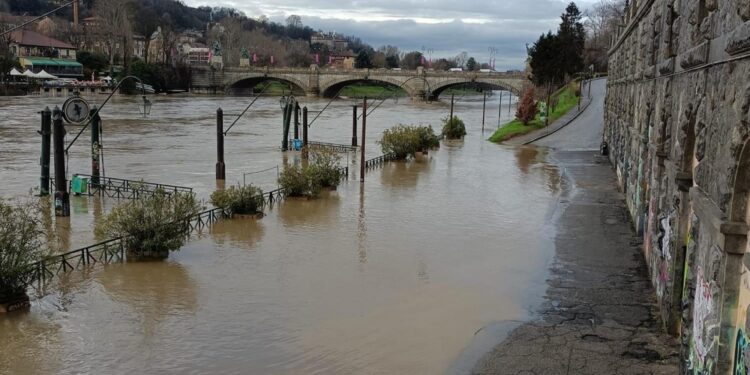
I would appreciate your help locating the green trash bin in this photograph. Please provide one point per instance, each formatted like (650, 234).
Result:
(79, 185)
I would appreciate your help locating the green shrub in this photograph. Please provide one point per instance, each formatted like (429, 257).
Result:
(21, 243)
(243, 200)
(453, 128)
(152, 226)
(324, 168)
(299, 182)
(428, 140)
(405, 141)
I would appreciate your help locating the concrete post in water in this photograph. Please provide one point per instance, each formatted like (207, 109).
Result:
(220, 167)
(484, 107)
(62, 198)
(451, 117)
(296, 121)
(354, 125)
(304, 132)
(46, 134)
(96, 123)
(364, 131)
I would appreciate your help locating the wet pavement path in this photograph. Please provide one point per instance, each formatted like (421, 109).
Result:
(600, 315)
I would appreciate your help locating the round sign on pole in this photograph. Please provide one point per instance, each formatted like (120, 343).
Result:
(76, 110)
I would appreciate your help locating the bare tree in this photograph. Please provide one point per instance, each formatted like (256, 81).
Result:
(115, 20)
(601, 23)
(462, 58)
(294, 21)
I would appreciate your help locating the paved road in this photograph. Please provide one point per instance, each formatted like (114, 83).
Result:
(585, 132)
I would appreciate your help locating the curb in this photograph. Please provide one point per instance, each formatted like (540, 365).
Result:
(583, 109)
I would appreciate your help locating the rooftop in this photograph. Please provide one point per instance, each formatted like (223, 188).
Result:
(33, 38)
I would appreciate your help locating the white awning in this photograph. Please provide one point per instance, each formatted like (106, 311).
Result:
(44, 75)
(29, 74)
(15, 72)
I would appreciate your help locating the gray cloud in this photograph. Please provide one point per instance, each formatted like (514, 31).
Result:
(446, 26)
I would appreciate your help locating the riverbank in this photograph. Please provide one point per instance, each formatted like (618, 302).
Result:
(566, 100)
(596, 318)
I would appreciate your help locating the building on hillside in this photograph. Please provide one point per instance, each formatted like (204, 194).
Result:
(198, 55)
(330, 40)
(343, 60)
(38, 52)
(95, 40)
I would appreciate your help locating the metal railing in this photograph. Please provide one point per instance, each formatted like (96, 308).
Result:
(106, 252)
(121, 188)
(336, 147)
(380, 160)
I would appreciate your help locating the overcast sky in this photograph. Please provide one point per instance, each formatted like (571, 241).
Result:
(445, 26)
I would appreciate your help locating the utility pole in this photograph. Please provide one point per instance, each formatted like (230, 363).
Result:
(354, 125)
(484, 107)
(451, 118)
(96, 124)
(304, 132)
(499, 109)
(296, 120)
(364, 131)
(62, 198)
(220, 167)
(46, 134)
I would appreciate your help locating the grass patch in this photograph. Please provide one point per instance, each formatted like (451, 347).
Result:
(371, 91)
(566, 100)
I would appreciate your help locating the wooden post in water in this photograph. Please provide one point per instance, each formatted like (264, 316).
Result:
(354, 125)
(62, 198)
(500, 109)
(364, 131)
(46, 134)
(96, 124)
(451, 117)
(220, 167)
(304, 132)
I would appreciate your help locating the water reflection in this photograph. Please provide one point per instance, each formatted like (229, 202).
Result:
(242, 232)
(153, 290)
(304, 212)
(404, 174)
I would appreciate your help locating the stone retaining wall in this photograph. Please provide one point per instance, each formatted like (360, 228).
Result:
(677, 124)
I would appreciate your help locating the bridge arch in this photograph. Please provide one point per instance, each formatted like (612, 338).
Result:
(246, 84)
(331, 88)
(481, 83)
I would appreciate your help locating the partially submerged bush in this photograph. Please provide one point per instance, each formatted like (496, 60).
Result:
(428, 140)
(453, 128)
(243, 200)
(299, 182)
(21, 244)
(152, 226)
(405, 141)
(324, 168)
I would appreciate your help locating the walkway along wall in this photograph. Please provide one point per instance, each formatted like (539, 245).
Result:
(676, 124)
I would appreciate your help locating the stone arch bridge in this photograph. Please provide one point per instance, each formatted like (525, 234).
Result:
(420, 84)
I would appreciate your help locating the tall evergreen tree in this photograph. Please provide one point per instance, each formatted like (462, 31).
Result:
(572, 37)
(546, 65)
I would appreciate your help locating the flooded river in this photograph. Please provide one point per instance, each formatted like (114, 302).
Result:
(393, 276)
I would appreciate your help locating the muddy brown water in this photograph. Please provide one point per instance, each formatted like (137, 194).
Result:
(395, 275)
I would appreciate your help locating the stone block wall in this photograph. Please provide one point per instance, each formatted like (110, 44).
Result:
(677, 124)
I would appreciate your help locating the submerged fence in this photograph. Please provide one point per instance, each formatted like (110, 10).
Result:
(120, 188)
(106, 252)
(380, 160)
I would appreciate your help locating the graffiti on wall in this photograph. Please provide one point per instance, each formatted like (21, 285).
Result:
(740, 354)
(705, 323)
